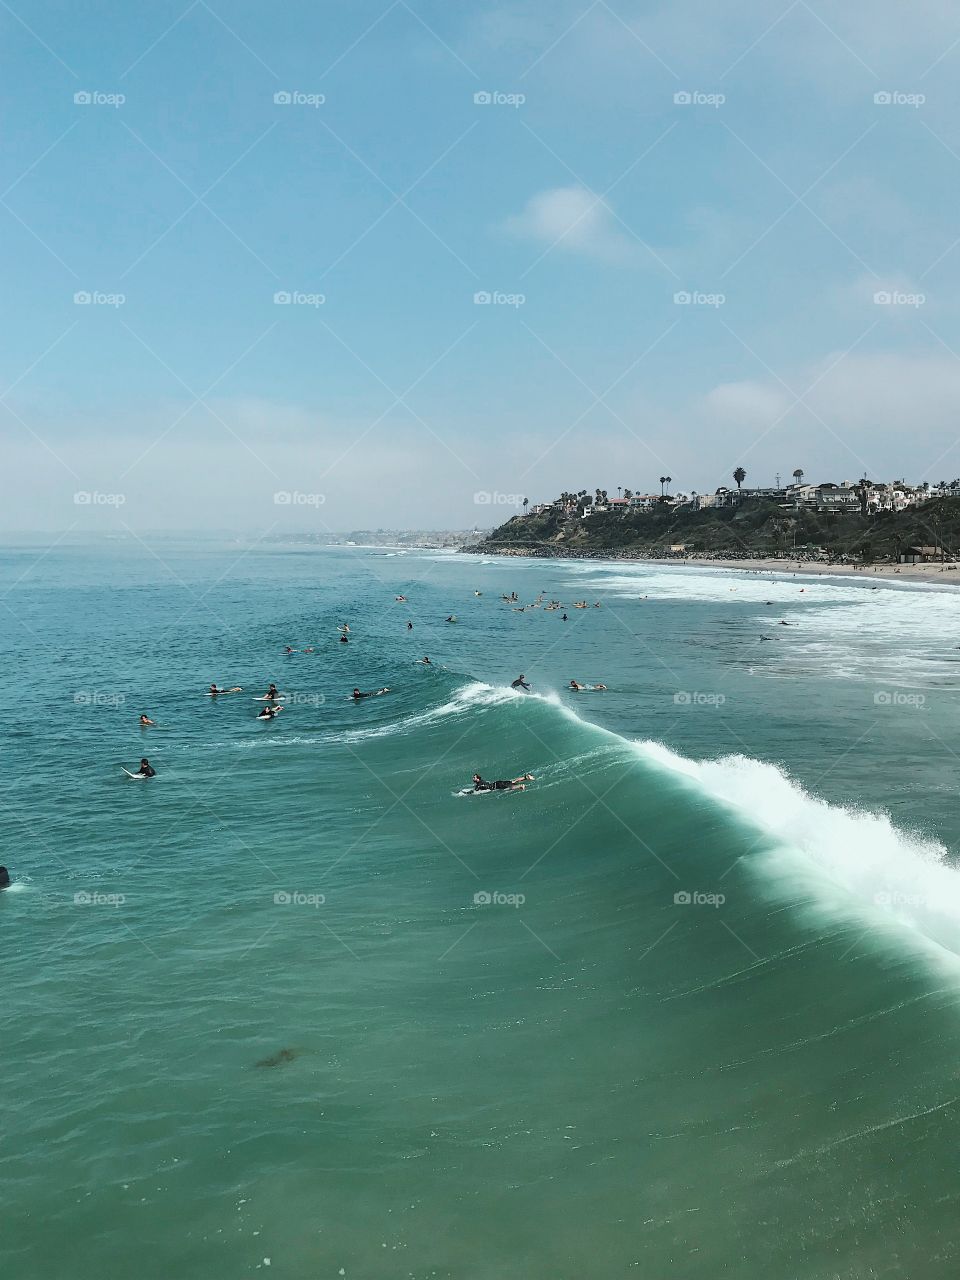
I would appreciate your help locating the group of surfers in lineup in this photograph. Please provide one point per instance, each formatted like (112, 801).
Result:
(272, 698)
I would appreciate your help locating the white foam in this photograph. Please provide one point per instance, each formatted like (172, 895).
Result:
(850, 860)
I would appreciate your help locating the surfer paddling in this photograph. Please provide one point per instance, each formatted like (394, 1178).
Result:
(145, 720)
(268, 713)
(215, 689)
(372, 693)
(502, 784)
(585, 688)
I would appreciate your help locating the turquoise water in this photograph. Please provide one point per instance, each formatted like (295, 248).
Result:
(254, 1009)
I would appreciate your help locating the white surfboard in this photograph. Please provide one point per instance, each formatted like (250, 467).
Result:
(137, 776)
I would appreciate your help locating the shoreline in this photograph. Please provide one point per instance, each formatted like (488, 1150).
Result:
(934, 573)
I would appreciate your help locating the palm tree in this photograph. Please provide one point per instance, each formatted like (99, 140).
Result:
(619, 490)
(798, 474)
(525, 502)
(739, 475)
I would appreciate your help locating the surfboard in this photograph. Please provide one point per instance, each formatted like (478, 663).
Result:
(138, 776)
(281, 697)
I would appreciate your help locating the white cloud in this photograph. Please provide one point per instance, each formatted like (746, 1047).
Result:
(575, 220)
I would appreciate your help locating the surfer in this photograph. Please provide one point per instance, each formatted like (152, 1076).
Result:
(564, 618)
(400, 599)
(520, 682)
(271, 695)
(289, 650)
(146, 769)
(4, 878)
(215, 689)
(268, 713)
(452, 618)
(574, 685)
(502, 784)
(344, 640)
(409, 626)
(373, 693)
(425, 661)
(145, 720)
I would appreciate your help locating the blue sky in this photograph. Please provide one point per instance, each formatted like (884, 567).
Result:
(782, 188)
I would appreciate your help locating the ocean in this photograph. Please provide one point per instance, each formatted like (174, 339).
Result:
(687, 1006)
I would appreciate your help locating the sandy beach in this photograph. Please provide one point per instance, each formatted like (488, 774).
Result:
(940, 574)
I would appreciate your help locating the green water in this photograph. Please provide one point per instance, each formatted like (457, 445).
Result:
(295, 1000)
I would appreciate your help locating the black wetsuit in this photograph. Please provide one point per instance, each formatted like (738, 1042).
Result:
(147, 771)
(519, 684)
(503, 784)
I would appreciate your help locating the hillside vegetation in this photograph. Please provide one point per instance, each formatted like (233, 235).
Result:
(755, 528)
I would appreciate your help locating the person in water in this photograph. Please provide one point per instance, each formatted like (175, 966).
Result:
(426, 661)
(409, 626)
(373, 693)
(145, 720)
(502, 784)
(268, 713)
(215, 689)
(146, 769)
(344, 640)
(272, 694)
(520, 682)
(452, 618)
(574, 685)
(564, 618)
(4, 878)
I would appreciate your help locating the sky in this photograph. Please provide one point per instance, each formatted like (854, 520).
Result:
(402, 264)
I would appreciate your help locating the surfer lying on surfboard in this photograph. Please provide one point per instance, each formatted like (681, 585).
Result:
(373, 693)
(267, 713)
(588, 688)
(503, 784)
(215, 689)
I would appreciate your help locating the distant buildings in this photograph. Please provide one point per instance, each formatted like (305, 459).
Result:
(871, 497)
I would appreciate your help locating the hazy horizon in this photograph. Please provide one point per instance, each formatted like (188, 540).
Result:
(387, 259)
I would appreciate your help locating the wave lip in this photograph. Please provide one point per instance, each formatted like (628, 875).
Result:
(846, 857)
